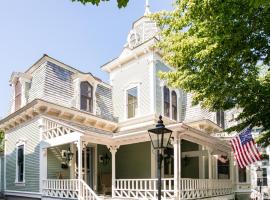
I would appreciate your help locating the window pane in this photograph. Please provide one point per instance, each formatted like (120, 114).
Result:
(220, 118)
(86, 96)
(242, 175)
(20, 163)
(166, 93)
(224, 168)
(132, 102)
(174, 105)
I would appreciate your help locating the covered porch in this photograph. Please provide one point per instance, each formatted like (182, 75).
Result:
(123, 165)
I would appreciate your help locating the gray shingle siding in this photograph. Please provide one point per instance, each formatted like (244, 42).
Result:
(104, 102)
(58, 85)
(30, 133)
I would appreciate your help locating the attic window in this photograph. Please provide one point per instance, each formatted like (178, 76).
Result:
(18, 95)
(86, 96)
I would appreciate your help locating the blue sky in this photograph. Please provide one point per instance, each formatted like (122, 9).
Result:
(84, 37)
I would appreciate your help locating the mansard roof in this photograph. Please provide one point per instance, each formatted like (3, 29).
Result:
(47, 58)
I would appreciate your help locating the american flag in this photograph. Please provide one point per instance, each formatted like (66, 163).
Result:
(244, 148)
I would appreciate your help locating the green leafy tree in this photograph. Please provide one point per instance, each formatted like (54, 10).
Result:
(121, 3)
(220, 52)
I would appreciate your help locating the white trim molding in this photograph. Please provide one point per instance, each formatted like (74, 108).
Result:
(20, 143)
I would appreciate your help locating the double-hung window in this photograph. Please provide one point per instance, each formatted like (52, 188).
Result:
(20, 164)
(132, 102)
(86, 97)
(174, 105)
(166, 93)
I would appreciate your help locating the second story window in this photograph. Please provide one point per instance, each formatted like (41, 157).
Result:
(18, 95)
(132, 102)
(220, 118)
(174, 105)
(166, 93)
(86, 97)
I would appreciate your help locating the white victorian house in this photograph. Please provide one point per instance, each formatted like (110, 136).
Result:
(69, 135)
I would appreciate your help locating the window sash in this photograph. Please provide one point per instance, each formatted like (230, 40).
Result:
(174, 105)
(166, 101)
(86, 100)
(20, 163)
(132, 102)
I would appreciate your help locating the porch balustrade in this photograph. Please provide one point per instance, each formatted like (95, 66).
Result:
(68, 189)
(202, 188)
(143, 188)
(189, 188)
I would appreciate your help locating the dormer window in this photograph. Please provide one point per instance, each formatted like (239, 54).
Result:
(132, 102)
(86, 96)
(166, 93)
(174, 105)
(18, 95)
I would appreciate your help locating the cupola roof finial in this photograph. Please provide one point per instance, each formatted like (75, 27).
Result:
(147, 8)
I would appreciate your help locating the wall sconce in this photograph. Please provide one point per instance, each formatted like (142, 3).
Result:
(105, 159)
(67, 155)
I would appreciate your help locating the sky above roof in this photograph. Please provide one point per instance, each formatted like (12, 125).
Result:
(84, 37)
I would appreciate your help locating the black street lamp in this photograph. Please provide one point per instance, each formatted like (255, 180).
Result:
(259, 173)
(160, 137)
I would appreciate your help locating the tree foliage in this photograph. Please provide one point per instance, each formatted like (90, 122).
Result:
(220, 50)
(121, 3)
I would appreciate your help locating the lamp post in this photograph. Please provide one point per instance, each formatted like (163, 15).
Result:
(160, 137)
(259, 173)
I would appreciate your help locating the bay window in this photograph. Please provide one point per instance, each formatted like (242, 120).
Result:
(174, 105)
(166, 100)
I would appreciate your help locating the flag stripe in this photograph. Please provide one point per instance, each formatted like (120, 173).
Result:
(244, 148)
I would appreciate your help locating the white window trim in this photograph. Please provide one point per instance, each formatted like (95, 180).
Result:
(77, 87)
(177, 98)
(130, 86)
(18, 144)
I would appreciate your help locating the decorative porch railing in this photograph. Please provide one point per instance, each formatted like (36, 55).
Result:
(68, 189)
(202, 188)
(188, 188)
(143, 188)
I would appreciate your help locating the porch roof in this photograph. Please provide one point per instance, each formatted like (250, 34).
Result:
(136, 135)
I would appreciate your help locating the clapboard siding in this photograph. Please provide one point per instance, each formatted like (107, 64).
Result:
(54, 160)
(58, 85)
(104, 102)
(195, 113)
(135, 72)
(2, 172)
(181, 97)
(36, 90)
(29, 132)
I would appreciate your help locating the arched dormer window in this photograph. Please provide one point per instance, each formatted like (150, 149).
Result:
(18, 95)
(86, 96)
(166, 100)
(174, 105)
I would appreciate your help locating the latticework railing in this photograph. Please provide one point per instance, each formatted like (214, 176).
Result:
(202, 188)
(53, 130)
(68, 189)
(143, 188)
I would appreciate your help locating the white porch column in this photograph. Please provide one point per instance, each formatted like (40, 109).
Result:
(73, 162)
(42, 155)
(210, 171)
(79, 147)
(85, 163)
(231, 160)
(177, 168)
(113, 150)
